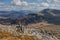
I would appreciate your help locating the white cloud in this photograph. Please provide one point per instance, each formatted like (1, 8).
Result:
(21, 6)
(31, 5)
(23, 3)
(18, 5)
(45, 4)
(57, 0)
(54, 6)
(1, 3)
(18, 2)
(49, 1)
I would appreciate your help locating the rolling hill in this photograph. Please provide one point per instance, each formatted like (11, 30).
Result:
(52, 16)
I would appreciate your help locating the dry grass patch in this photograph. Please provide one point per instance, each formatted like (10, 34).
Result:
(8, 36)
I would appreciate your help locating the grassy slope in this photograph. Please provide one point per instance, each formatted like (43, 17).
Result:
(8, 36)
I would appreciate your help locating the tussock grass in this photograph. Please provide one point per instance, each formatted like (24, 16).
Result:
(8, 36)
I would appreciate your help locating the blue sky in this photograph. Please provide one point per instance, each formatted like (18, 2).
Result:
(26, 4)
(29, 1)
(6, 1)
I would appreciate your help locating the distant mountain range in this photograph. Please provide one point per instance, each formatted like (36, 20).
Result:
(49, 15)
(51, 12)
(14, 14)
(29, 17)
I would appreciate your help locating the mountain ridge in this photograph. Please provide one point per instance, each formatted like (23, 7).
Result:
(35, 17)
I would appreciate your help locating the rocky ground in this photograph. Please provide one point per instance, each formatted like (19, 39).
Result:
(8, 32)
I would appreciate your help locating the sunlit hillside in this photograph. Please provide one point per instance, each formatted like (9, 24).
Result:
(8, 36)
